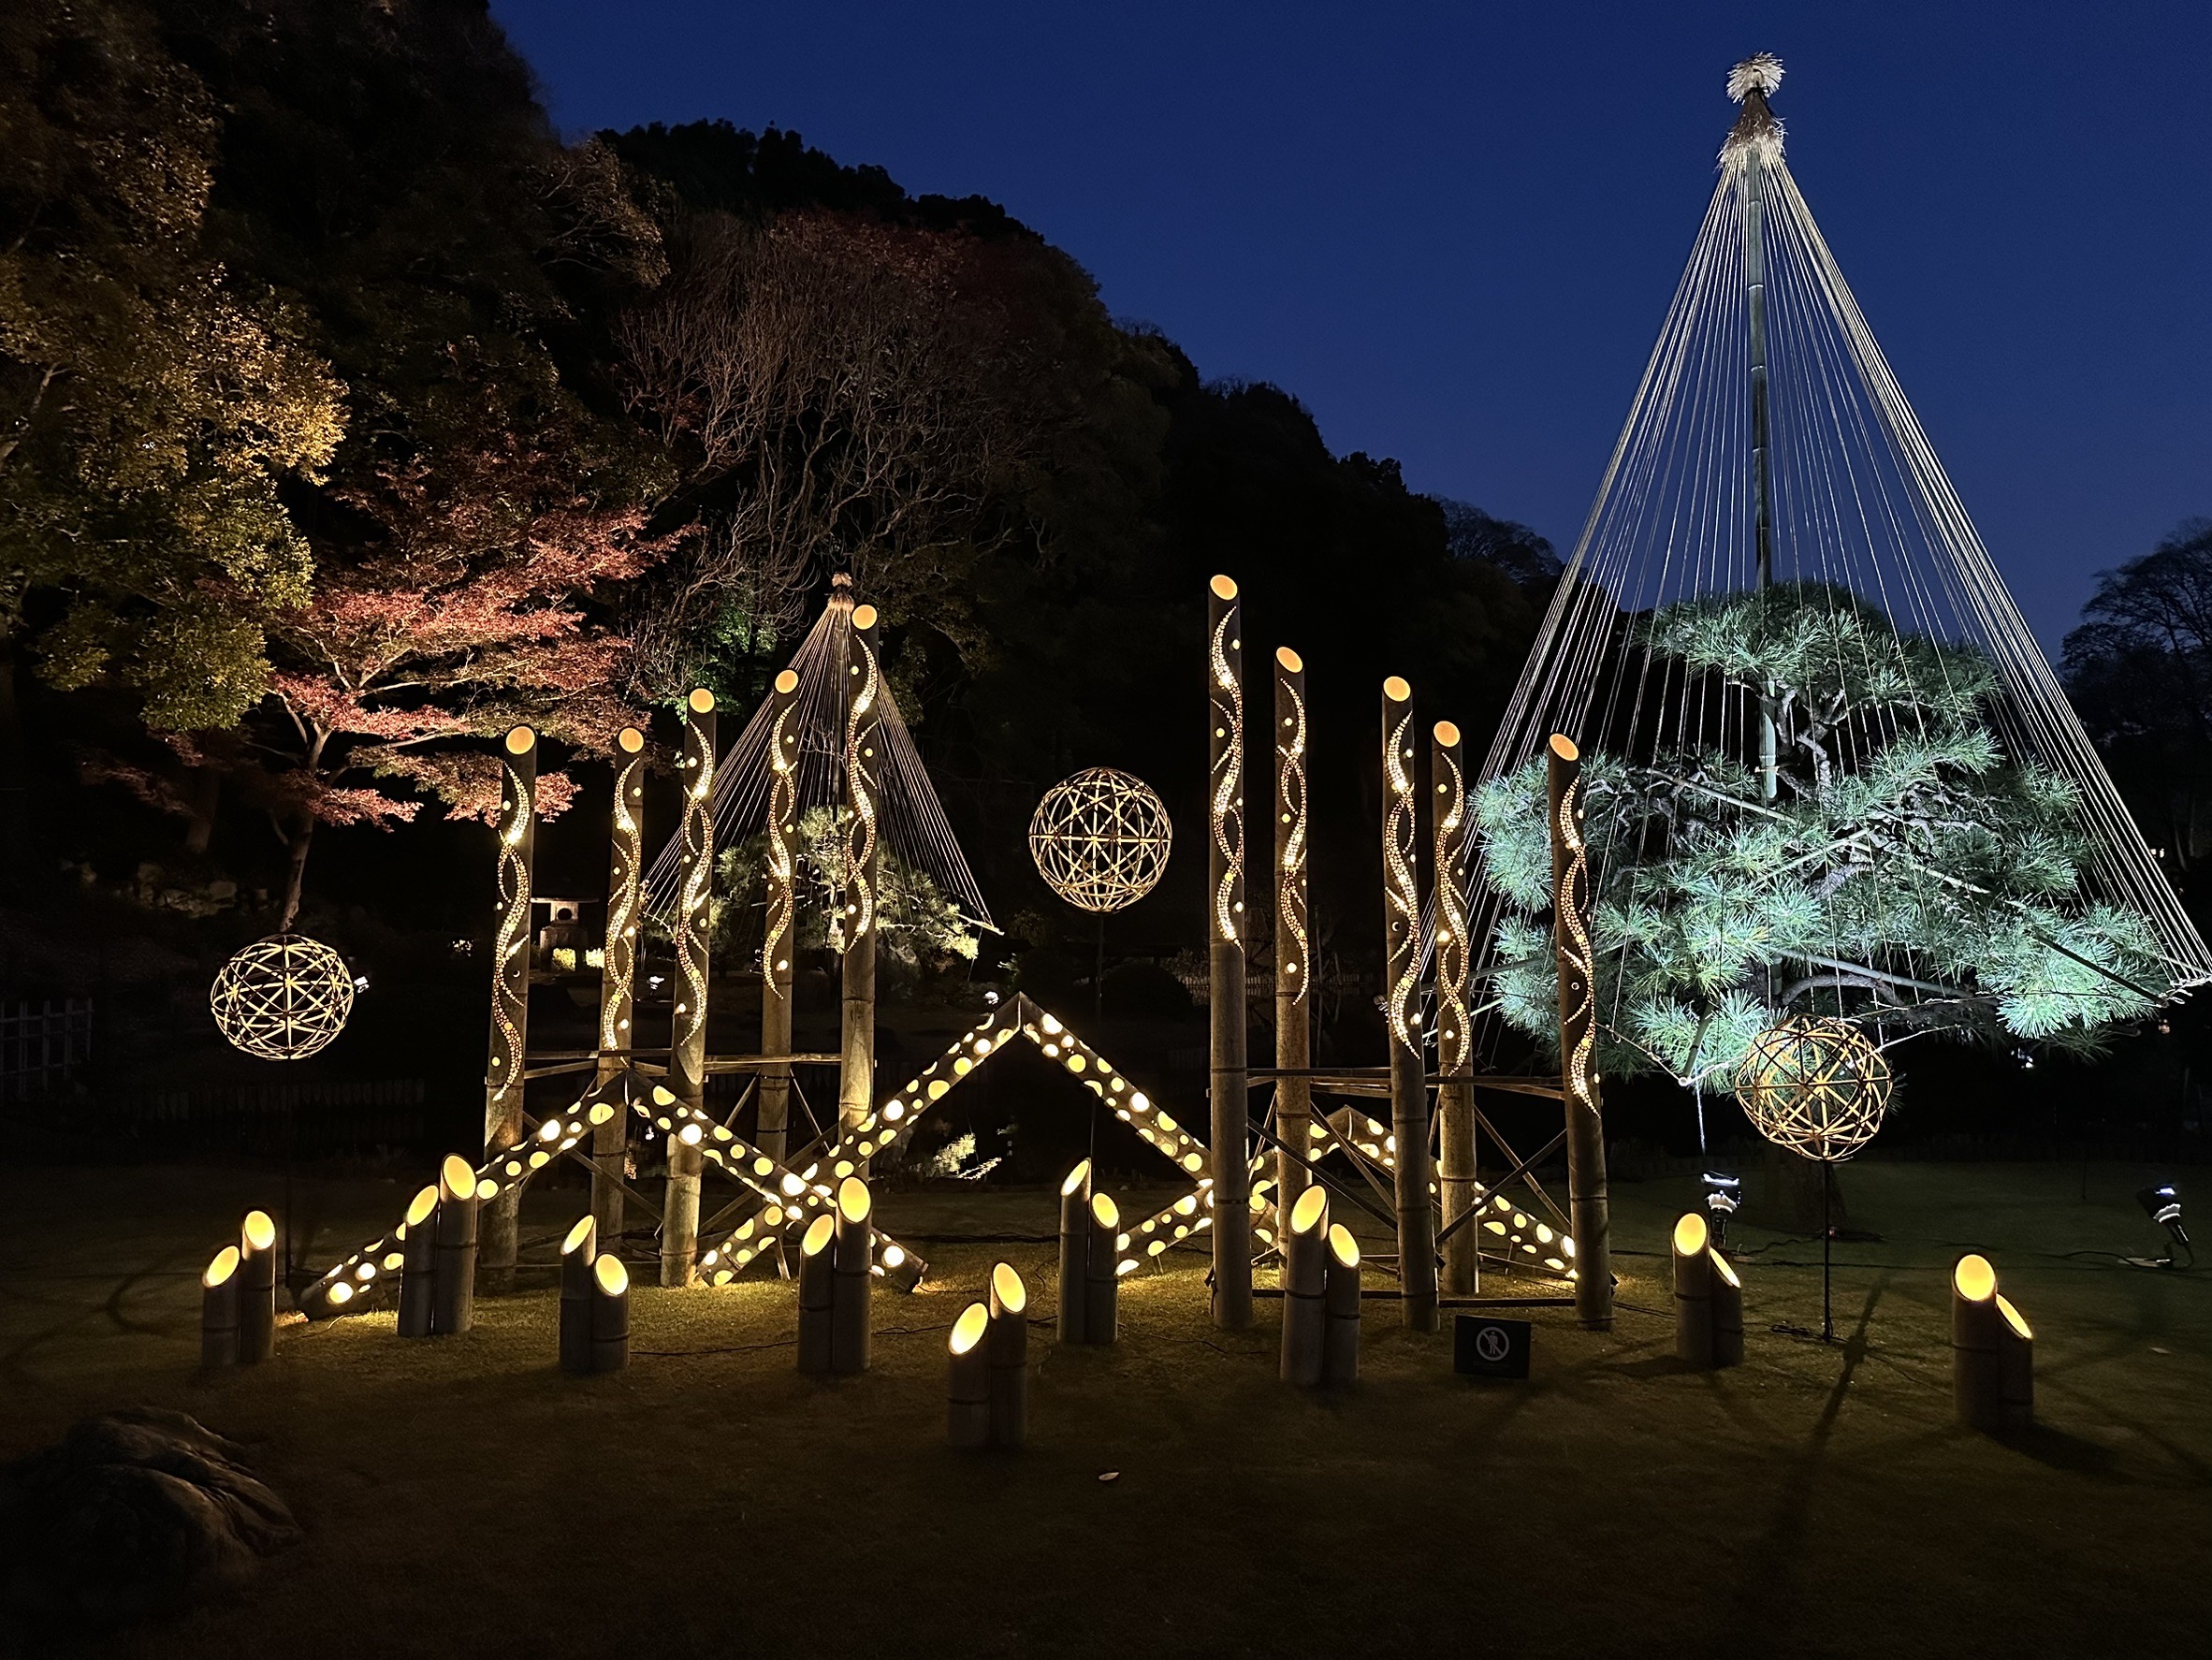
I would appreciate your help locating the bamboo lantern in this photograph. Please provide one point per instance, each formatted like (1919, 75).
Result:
(1692, 1292)
(578, 1291)
(1008, 1342)
(1402, 1012)
(1225, 954)
(1101, 1279)
(687, 1044)
(2015, 1353)
(256, 1289)
(853, 1256)
(1587, 1207)
(219, 1310)
(1305, 1270)
(617, 976)
(967, 1412)
(1727, 1312)
(510, 989)
(610, 1313)
(1075, 1248)
(1339, 1302)
(453, 1291)
(1294, 1008)
(817, 1293)
(863, 773)
(1451, 828)
(418, 1265)
(780, 935)
(1992, 1352)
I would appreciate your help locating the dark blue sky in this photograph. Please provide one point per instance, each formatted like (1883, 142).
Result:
(1451, 229)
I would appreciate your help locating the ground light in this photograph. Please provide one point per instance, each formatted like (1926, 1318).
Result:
(2162, 1205)
(1723, 1198)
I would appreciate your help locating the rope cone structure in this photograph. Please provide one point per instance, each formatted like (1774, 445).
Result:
(618, 973)
(504, 1064)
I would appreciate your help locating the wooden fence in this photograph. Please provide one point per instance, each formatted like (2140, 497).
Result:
(43, 1046)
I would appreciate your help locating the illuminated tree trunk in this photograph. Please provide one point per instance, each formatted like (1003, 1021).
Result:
(1588, 1207)
(1450, 834)
(1402, 1012)
(864, 767)
(617, 978)
(779, 936)
(1294, 1005)
(1225, 955)
(510, 996)
(687, 1044)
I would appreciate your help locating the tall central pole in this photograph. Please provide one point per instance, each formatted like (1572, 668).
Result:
(1758, 128)
(778, 939)
(1225, 954)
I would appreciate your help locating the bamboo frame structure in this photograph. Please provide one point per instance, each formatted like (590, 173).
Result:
(1008, 1342)
(219, 1310)
(1225, 954)
(851, 1280)
(1693, 1292)
(1450, 833)
(817, 1295)
(510, 987)
(1587, 1207)
(864, 765)
(779, 938)
(577, 1289)
(1340, 1307)
(967, 1383)
(1401, 1011)
(610, 1313)
(256, 1289)
(1075, 1249)
(687, 1040)
(1992, 1352)
(1101, 1276)
(617, 975)
(1305, 1271)
(418, 1265)
(453, 1289)
(1293, 943)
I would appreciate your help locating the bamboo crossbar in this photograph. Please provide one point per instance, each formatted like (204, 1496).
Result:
(1376, 1080)
(1332, 1183)
(1514, 1175)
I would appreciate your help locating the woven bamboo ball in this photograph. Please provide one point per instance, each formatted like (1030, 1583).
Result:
(1816, 1086)
(1101, 838)
(283, 997)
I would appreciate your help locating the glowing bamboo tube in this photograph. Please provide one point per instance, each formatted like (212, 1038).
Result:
(687, 1051)
(850, 1284)
(1692, 1292)
(817, 1295)
(1009, 1345)
(418, 1265)
(510, 989)
(610, 1313)
(1449, 827)
(577, 1253)
(1305, 1273)
(1587, 1207)
(2016, 1367)
(968, 1410)
(1727, 1312)
(219, 1310)
(1101, 1276)
(1225, 953)
(617, 975)
(1339, 1302)
(453, 1291)
(1402, 1012)
(864, 770)
(1294, 1008)
(780, 935)
(256, 1289)
(1075, 1247)
(1992, 1352)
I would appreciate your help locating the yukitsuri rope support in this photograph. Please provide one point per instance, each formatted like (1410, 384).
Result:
(1449, 837)
(779, 936)
(1225, 952)
(1401, 1009)
(1588, 1205)
(1294, 1004)
(863, 795)
(687, 1041)
(617, 975)
(510, 990)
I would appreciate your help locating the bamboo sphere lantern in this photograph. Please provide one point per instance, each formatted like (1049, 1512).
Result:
(1101, 838)
(283, 997)
(1816, 1086)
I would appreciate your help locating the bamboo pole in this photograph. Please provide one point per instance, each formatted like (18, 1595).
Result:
(2016, 1368)
(1339, 1303)
(1692, 1292)
(1305, 1271)
(219, 1310)
(817, 1295)
(851, 1283)
(618, 977)
(1075, 1247)
(781, 936)
(1588, 1207)
(1101, 1279)
(1402, 1012)
(577, 1291)
(453, 1291)
(687, 1044)
(510, 992)
(1992, 1352)
(1727, 1312)
(1294, 1006)
(610, 1313)
(1008, 1342)
(863, 769)
(418, 1265)
(256, 1289)
(1225, 955)
(1449, 836)
(967, 1392)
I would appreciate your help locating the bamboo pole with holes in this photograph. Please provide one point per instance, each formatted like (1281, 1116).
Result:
(817, 1294)
(1449, 838)
(780, 934)
(1075, 1245)
(1225, 954)
(1588, 1207)
(453, 1289)
(256, 1289)
(863, 798)
(1340, 1307)
(219, 1310)
(1693, 1292)
(617, 976)
(1101, 1278)
(1293, 946)
(1008, 1342)
(610, 1313)
(1401, 1011)
(853, 1256)
(577, 1253)
(510, 993)
(967, 1389)
(1305, 1273)
(686, 1042)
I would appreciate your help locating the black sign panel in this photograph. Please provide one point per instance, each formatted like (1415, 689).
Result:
(1485, 1347)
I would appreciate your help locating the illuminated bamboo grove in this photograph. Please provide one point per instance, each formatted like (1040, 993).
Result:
(864, 766)
(617, 976)
(778, 939)
(1450, 833)
(1401, 1009)
(510, 987)
(1294, 1007)
(1588, 1207)
(1225, 953)
(687, 1044)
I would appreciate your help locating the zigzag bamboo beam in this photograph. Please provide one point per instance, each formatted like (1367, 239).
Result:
(617, 975)
(779, 936)
(1294, 1096)
(1401, 1011)
(1588, 1208)
(510, 986)
(1449, 831)
(1224, 951)
(863, 768)
(686, 1042)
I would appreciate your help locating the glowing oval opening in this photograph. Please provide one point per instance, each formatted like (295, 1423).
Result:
(579, 1236)
(854, 1200)
(786, 682)
(817, 1236)
(968, 1331)
(1564, 747)
(1224, 588)
(1076, 1178)
(1289, 659)
(1396, 690)
(456, 1176)
(631, 741)
(1343, 1246)
(1973, 1278)
(2011, 1319)
(702, 700)
(1006, 1285)
(1447, 734)
(222, 1268)
(425, 1202)
(1689, 1234)
(1311, 1210)
(1726, 1269)
(1106, 1212)
(260, 1230)
(614, 1279)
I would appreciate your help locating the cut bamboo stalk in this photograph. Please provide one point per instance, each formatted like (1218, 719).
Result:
(779, 936)
(1009, 1345)
(1411, 1170)
(1451, 832)
(864, 795)
(219, 1310)
(510, 993)
(817, 1295)
(1101, 1279)
(853, 1256)
(1589, 1209)
(453, 1296)
(2016, 1368)
(1305, 1271)
(617, 976)
(1294, 1008)
(1225, 956)
(1977, 1367)
(687, 1051)
(610, 1314)
(967, 1394)
(1075, 1249)
(418, 1266)
(577, 1253)
(1339, 1302)
(256, 1289)
(1727, 1313)
(1692, 1292)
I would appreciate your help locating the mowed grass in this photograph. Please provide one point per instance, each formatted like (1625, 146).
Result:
(461, 1497)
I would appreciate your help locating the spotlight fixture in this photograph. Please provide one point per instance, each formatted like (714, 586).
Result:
(2162, 1205)
(1723, 1198)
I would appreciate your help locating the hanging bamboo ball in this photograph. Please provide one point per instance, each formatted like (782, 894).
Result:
(1101, 838)
(283, 997)
(1816, 1086)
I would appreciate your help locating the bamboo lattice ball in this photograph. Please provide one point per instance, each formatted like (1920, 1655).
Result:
(1816, 1086)
(1101, 838)
(283, 997)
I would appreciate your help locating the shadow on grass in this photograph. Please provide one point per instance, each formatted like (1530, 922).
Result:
(2061, 1451)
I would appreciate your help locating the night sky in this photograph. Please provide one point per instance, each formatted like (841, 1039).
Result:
(1451, 230)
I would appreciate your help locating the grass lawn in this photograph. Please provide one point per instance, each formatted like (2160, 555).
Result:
(461, 1497)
